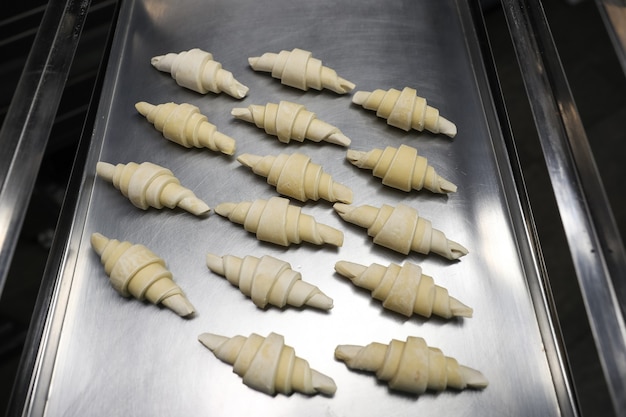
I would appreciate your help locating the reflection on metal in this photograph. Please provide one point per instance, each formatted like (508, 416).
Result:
(614, 14)
(25, 132)
(594, 241)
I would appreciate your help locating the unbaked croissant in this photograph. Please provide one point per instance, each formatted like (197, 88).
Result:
(401, 168)
(404, 289)
(185, 125)
(135, 270)
(198, 71)
(268, 280)
(277, 221)
(297, 177)
(268, 365)
(405, 110)
(151, 185)
(411, 366)
(288, 120)
(400, 228)
(297, 68)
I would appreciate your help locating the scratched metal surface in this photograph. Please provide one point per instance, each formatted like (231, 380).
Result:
(115, 356)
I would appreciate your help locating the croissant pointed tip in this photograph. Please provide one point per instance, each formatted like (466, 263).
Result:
(228, 149)
(179, 304)
(322, 383)
(349, 269)
(214, 263)
(342, 209)
(459, 309)
(154, 61)
(445, 247)
(194, 206)
(242, 113)
(456, 250)
(360, 97)
(330, 235)
(447, 127)
(345, 86)
(446, 186)
(342, 193)
(144, 108)
(473, 378)
(237, 90)
(98, 242)
(320, 301)
(354, 156)
(248, 160)
(224, 209)
(253, 61)
(346, 353)
(105, 170)
(339, 139)
(211, 341)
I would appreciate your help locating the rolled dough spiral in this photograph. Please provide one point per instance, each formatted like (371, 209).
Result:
(411, 366)
(134, 270)
(196, 70)
(268, 365)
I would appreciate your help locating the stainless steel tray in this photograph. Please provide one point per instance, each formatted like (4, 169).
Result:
(106, 355)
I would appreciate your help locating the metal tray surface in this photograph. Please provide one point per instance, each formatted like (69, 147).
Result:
(117, 356)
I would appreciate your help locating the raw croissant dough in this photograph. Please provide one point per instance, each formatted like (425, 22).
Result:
(150, 185)
(277, 221)
(185, 125)
(268, 280)
(297, 68)
(401, 229)
(404, 289)
(411, 366)
(401, 168)
(136, 271)
(268, 365)
(297, 177)
(198, 71)
(405, 110)
(288, 120)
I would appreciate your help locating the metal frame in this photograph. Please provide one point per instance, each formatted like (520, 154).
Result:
(24, 134)
(613, 13)
(32, 114)
(596, 247)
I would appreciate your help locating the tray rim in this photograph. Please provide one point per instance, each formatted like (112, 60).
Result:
(37, 366)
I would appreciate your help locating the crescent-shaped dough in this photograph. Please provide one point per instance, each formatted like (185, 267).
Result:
(400, 228)
(404, 289)
(268, 365)
(185, 125)
(268, 281)
(291, 121)
(151, 185)
(277, 221)
(297, 68)
(196, 70)
(411, 366)
(401, 168)
(134, 270)
(405, 110)
(297, 176)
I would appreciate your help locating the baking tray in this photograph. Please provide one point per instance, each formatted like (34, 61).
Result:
(107, 355)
